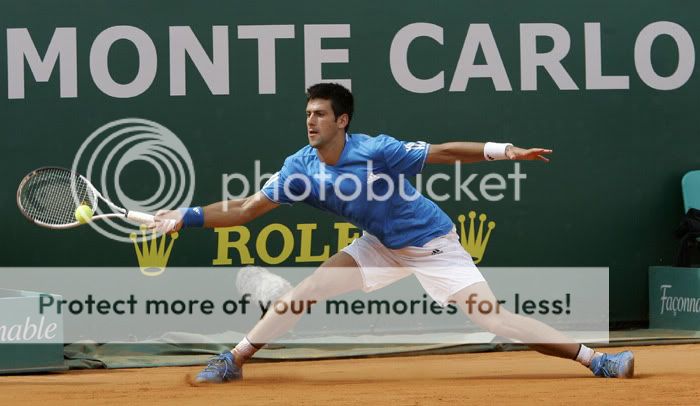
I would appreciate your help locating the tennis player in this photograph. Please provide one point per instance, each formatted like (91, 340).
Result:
(403, 232)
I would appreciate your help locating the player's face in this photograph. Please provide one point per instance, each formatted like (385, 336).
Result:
(322, 126)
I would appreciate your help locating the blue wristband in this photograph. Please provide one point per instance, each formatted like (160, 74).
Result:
(192, 217)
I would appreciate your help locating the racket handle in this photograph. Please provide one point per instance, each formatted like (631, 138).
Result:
(139, 217)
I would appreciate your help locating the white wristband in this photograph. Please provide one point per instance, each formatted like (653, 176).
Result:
(495, 151)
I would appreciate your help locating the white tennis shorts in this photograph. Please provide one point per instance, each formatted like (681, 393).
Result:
(442, 266)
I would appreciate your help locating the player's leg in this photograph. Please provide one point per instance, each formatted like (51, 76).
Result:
(538, 335)
(502, 322)
(364, 264)
(338, 275)
(452, 270)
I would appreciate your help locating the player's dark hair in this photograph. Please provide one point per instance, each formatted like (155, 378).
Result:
(341, 99)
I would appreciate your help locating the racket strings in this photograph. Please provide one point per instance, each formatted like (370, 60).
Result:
(51, 196)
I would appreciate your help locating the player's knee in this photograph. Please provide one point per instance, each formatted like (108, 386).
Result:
(296, 301)
(308, 291)
(495, 323)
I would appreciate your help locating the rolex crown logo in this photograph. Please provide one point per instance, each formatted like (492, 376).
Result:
(152, 256)
(475, 242)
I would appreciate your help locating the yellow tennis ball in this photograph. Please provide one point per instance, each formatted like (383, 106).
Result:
(83, 213)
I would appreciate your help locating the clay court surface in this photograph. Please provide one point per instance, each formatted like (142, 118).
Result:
(667, 374)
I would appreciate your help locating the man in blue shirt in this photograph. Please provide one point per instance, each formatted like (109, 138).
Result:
(364, 179)
(372, 167)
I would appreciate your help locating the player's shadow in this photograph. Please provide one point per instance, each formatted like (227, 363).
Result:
(46, 384)
(549, 376)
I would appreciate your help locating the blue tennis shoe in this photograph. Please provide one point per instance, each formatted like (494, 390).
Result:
(220, 369)
(620, 365)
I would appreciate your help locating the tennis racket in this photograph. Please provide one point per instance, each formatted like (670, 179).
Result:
(49, 196)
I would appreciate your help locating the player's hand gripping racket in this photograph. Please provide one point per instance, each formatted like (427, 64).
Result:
(50, 196)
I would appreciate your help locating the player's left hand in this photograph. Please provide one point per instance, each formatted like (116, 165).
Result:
(515, 153)
(167, 221)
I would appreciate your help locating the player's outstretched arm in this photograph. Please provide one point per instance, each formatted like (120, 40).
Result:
(451, 152)
(237, 212)
(221, 214)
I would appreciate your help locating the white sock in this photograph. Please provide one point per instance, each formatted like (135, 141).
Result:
(244, 350)
(585, 355)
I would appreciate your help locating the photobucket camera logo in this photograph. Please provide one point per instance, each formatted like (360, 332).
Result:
(159, 167)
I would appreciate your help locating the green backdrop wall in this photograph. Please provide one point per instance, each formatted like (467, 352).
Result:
(610, 196)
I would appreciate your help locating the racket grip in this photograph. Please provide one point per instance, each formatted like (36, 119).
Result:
(137, 216)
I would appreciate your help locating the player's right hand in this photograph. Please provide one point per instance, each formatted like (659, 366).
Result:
(167, 221)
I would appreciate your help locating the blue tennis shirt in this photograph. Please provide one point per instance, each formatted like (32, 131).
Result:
(368, 186)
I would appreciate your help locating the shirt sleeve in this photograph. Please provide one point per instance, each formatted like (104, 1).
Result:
(401, 157)
(285, 186)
